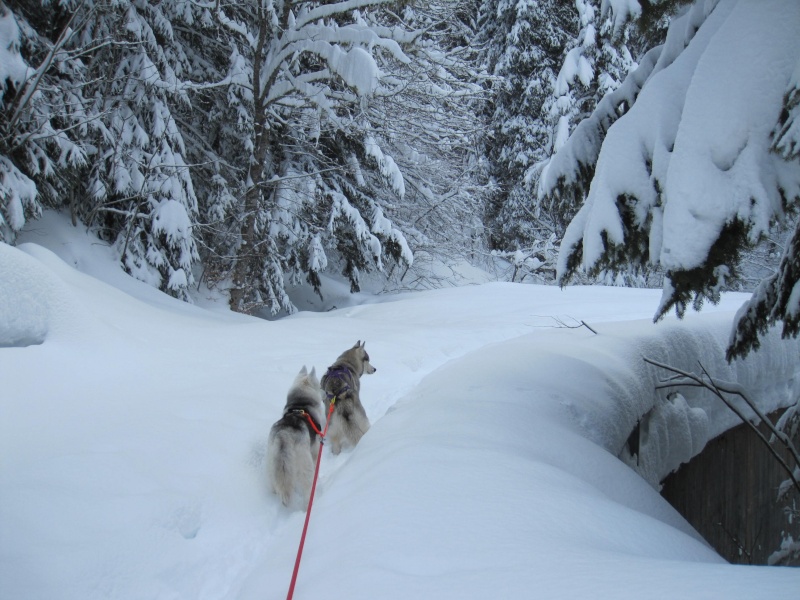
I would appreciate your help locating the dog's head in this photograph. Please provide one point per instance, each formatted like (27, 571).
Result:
(362, 358)
(308, 383)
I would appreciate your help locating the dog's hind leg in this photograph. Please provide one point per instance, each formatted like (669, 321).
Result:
(355, 433)
(283, 485)
(336, 443)
(355, 426)
(335, 433)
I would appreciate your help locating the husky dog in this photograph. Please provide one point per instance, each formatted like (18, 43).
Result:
(342, 381)
(293, 445)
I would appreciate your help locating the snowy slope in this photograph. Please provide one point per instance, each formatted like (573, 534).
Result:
(133, 433)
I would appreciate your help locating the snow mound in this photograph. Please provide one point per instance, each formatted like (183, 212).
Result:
(34, 302)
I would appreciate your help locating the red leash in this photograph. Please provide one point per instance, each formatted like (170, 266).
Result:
(311, 497)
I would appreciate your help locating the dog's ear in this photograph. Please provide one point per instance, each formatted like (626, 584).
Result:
(303, 371)
(358, 344)
(364, 343)
(313, 371)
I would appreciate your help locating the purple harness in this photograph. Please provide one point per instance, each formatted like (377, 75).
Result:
(338, 373)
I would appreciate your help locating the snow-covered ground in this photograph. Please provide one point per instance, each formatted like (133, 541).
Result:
(133, 431)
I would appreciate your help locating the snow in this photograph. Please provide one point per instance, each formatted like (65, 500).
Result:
(636, 153)
(387, 166)
(793, 303)
(575, 66)
(134, 429)
(17, 189)
(787, 137)
(620, 12)
(317, 261)
(171, 219)
(357, 68)
(12, 67)
(20, 191)
(719, 148)
(692, 155)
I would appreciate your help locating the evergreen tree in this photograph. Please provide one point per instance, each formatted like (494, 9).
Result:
(91, 126)
(698, 166)
(282, 109)
(264, 141)
(525, 44)
(41, 113)
(365, 127)
(776, 299)
(596, 63)
(299, 76)
(139, 181)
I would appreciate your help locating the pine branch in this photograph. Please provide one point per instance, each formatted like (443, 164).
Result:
(33, 84)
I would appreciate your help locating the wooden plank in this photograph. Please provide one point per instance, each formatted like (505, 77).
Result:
(728, 494)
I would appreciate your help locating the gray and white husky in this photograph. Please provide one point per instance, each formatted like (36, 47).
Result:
(293, 445)
(349, 420)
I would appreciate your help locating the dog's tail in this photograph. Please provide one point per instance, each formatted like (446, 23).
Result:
(289, 465)
(278, 469)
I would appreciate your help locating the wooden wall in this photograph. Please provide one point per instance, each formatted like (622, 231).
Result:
(728, 493)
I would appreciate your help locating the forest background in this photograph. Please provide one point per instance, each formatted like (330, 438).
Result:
(253, 145)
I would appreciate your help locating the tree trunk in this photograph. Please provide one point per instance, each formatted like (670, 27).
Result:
(246, 269)
(246, 257)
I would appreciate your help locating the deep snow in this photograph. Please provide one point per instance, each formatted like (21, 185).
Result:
(133, 433)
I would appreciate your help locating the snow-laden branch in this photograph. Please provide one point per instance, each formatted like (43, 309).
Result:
(690, 175)
(787, 132)
(236, 27)
(336, 8)
(355, 66)
(33, 82)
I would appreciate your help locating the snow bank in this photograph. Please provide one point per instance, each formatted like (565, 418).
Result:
(452, 494)
(24, 306)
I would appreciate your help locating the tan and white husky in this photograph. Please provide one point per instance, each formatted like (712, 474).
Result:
(349, 420)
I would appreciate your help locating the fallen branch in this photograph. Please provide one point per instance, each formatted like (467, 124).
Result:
(560, 324)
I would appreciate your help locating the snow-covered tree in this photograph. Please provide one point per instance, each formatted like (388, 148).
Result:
(596, 63)
(352, 126)
(139, 179)
(524, 47)
(428, 124)
(92, 127)
(41, 113)
(692, 160)
(299, 78)
(553, 63)
(269, 141)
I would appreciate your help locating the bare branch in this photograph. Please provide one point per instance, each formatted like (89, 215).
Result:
(719, 388)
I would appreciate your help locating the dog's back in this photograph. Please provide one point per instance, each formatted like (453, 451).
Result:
(293, 445)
